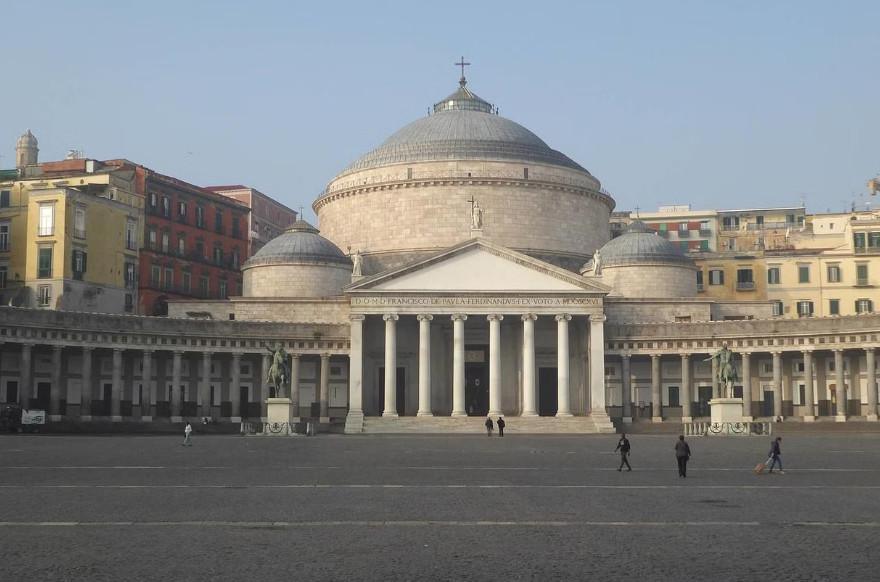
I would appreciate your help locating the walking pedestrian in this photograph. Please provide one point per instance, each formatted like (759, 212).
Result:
(501, 424)
(776, 455)
(489, 426)
(187, 435)
(682, 455)
(624, 448)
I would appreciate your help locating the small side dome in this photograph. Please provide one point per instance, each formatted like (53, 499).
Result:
(297, 263)
(641, 263)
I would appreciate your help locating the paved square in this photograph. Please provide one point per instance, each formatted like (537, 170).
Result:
(432, 507)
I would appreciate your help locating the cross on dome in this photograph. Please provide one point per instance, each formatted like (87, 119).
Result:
(462, 64)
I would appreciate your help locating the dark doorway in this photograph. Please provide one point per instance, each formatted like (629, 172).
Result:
(832, 390)
(243, 401)
(43, 395)
(400, 390)
(106, 397)
(476, 380)
(548, 393)
(12, 392)
(767, 404)
(704, 395)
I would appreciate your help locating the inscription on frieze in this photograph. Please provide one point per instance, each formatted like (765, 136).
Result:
(474, 301)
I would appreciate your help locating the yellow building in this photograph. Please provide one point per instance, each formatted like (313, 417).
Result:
(73, 231)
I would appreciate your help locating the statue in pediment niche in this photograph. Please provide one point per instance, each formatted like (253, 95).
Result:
(476, 216)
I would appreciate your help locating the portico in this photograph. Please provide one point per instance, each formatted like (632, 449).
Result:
(479, 330)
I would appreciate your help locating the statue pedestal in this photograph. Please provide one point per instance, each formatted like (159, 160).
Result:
(278, 417)
(725, 410)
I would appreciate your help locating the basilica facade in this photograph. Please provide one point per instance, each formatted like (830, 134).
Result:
(463, 269)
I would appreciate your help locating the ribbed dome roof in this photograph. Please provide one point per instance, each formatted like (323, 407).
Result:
(462, 127)
(26, 139)
(300, 243)
(640, 244)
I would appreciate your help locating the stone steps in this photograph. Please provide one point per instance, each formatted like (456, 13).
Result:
(475, 425)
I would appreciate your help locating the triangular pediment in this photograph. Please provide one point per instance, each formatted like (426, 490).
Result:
(478, 266)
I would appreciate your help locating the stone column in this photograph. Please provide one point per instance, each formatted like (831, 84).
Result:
(809, 413)
(656, 395)
(176, 393)
(871, 384)
(626, 387)
(390, 365)
(85, 406)
(686, 389)
(294, 387)
(147, 397)
(562, 376)
(264, 387)
(55, 390)
(116, 391)
(235, 387)
(840, 381)
(206, 384)
(777, 384)
(495, 364)
(747, 385)
(458, 403)
(597, 366)
(424, 364)
(325, 388)
(529, 400)
(354, 422)
(26, 390)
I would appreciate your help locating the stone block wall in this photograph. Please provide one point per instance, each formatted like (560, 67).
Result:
(295, 280)
(653, 281)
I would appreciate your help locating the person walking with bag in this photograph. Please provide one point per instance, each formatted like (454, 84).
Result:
(776, 455)
(501, 424)
(624, 448)
(489, 426)
(682, 455)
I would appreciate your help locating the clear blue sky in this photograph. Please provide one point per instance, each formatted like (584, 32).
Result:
(716, 104)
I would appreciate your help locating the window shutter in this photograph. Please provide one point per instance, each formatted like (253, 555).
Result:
(85, 258)
(73, 261)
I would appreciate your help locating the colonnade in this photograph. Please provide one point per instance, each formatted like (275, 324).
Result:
(493, 320)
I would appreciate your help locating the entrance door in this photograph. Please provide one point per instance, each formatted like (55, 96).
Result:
(476, 388)
(43, 391)
(548, 394)
(704, 393)
(106, 398)
(767, 405)
(12, 392)
(832, 390)
(243, 401)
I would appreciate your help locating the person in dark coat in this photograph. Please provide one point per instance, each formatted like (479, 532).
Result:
(682, 455)
(501, 424)
(776, 455)
(624, 447)
(489, 426)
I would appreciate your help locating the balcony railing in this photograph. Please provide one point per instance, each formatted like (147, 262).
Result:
(700, 288)
(862, 282)
(45, 230)
(79, 233)
(684, 234)
(745, 285)
(771, 225)
(867, 250)
(729, 227)
(705, 232)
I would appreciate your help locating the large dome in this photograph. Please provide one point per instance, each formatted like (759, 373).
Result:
(459, 134)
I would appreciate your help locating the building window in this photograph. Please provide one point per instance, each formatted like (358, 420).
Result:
(154, 200)
(716, 277)
(181, 209)
(200, 216)
(218, 220)
(759, 220)
(166, 207)
(222, 290)
(805, 308)
(203, 286)
(218, 255)
(165, 242)
(155, 276)
(833, 274)
(673, 396)
(862, 274)
(79, 222)
(4, 198)
(778, 308)
(745, 280)
(130, 277)
(236, 229)
(773, 276)
(700, 280)
(79, 264)
(5, 228)
(44, 262)
(4, 273)
(129, 302)
(874, 240)
(151, 239)
(234, 258)
(186, 281)
(47, 220)
(864, 306)
(168, 283)
(200, 249)
(44, 295)
(803, 273)
(181, 246)
(131, 235)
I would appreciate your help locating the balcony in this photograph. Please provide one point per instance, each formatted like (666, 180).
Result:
(729, 227)
(46, 230)
(700, 288)
(771, 225)
(79, 233)
(867, 250)
(684, 234)
(862, 282)
(745, 285)
(705, 232)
